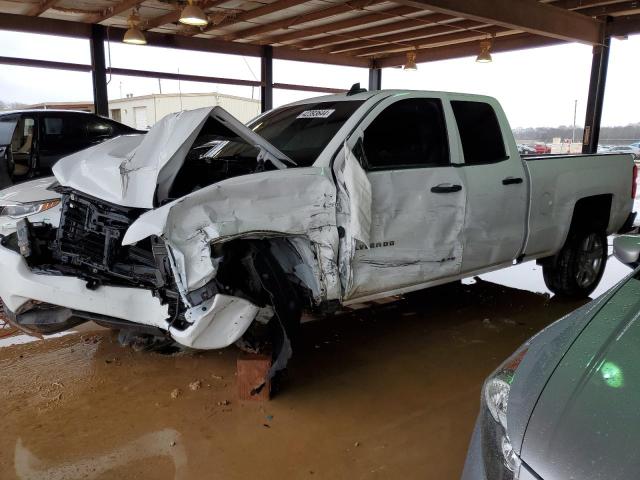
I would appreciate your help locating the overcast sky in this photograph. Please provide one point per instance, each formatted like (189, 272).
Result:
(537, 87)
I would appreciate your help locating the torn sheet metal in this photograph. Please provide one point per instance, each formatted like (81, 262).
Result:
(358, 188)
(292, 202)
(416, 235)
(131, 170)
(353, 211)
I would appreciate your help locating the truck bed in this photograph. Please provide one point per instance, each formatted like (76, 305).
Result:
(556, 181)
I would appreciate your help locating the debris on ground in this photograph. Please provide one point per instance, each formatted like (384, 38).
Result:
(224, 403)
(196, 385)
(91, 338)
(175, 393)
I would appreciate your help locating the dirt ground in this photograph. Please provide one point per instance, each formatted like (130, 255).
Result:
(390, 392)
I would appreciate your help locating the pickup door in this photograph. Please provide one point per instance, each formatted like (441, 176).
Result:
(495, 182)
(418, 196)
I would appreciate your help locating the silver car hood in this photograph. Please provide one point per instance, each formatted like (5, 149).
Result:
(584, 424)
(31, 191)
(131, 170)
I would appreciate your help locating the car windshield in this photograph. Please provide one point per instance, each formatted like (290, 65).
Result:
(301, 131)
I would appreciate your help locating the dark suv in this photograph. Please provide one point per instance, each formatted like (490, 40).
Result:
(32, 141)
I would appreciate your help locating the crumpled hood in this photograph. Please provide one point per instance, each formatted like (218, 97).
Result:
(584, 425)
(129, 170)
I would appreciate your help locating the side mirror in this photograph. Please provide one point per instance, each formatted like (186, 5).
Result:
(626, 248)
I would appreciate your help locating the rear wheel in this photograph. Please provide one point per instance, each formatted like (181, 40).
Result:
(577, 269)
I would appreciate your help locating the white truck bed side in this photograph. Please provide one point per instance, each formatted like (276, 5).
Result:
(557, 182)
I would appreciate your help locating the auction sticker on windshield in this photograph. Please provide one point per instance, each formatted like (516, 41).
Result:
(316, 113)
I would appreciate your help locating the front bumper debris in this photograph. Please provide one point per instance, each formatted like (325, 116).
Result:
(42, 304)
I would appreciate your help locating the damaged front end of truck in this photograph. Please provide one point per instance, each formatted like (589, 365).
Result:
(200, 232)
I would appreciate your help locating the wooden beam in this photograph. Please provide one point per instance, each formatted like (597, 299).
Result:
(287, 53)
(506, 44)
(618, 8)
(406, 24)
(527, 15)
(113, 11)
(47, 26)
(30, 62)
(301, 19)
(41, 7)
(400, 37)
(129, 72)
(622, 26)
(578, 4)
(435, 41)
(267, 9)
(164, 19)
(203, 79)
(341, 25)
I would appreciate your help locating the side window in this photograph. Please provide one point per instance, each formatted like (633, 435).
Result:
(53, 126)
(480, 132)
(62, 132)
(408, 133)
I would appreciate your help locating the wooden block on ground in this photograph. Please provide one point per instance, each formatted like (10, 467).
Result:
(252, 369)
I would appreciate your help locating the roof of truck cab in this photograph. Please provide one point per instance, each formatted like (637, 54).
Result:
(363, 96)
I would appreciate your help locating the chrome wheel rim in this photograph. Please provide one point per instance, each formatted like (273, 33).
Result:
(589, 260)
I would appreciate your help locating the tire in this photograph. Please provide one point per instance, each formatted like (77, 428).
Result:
(576, 270)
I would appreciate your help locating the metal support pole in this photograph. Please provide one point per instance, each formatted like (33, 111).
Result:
(375, 79)
(98, 70)
(596, 96)
(266, 77)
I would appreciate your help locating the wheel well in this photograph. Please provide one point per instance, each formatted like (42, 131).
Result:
(238, 270)
(592, 213)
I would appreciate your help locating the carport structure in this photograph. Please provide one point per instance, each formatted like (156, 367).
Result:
(372, 34)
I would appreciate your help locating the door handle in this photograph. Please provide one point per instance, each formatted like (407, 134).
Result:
(446, 188)
(511, 181)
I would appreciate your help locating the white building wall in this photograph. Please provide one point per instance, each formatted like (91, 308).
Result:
(157, 106)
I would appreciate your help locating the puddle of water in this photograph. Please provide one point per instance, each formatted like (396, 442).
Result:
(22, 338)
(528, 276)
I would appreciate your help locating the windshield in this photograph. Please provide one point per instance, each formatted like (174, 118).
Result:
(301, 132)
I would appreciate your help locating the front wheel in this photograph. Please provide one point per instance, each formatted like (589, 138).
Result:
(577, 269)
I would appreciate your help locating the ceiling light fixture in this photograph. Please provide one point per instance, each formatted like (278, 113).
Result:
(410, 63)
(133, 35)
(193, 15)
(485, 51)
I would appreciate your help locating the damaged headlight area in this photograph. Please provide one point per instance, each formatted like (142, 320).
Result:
(500, 460)
(87, 244)
(18, 210)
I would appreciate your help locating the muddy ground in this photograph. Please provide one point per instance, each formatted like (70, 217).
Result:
(391, 392)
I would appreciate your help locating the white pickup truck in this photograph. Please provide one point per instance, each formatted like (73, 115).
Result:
(205, 230)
